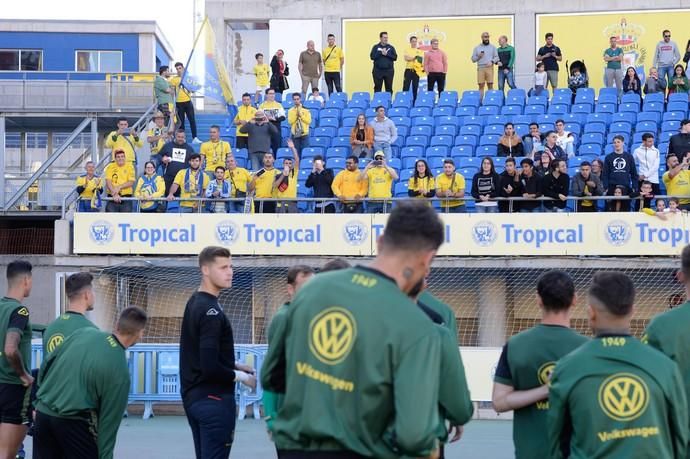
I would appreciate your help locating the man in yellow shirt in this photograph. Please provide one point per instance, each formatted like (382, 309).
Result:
(677, 180)
(451, 184)
(380, 177)
(192, 183)
(261, 74)
(214, 151)
(245, 113)
(299, 119)
(124, 139)
(183, 104)
(119, 179)
(87, 185)
(349, 187)
(333, 60)
(239, 178)
(157, 136)
(285, 184)
(414, 67)
(262, 182)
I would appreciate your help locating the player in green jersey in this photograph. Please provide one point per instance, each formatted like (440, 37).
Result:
(615, 397)
(522, 373)
(358, 360)
(83, 389)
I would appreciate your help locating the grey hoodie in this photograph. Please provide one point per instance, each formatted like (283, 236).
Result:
(666, 54)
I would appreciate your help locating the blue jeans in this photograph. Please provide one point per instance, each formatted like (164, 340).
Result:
(300, 143)
(453, 210)
(666, 72)
(85, 206)
(536, 210)
(385, 147)
(236, 207)
(376, 207)
(505, 77)
(212, 421)
(486, 209)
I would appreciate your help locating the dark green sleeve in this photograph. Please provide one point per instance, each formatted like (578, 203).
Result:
(273, 368)
(678, 414)
(113, 388)
(453, 396)
(558, 417)
(277, 326)
(511, 62)
(452, 326)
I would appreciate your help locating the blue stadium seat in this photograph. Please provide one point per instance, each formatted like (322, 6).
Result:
(646, 126)
(409, 162)
(343, 141)
(665, 136)
(538, 100)
(607, 92)
(406, 174)
(605, 108)
(521, 129)
(445, 129)
(473, 121)
(344, 131)
(654, 117)
(511, 110)
(631, 99)
(592, 138)
(425, 130)
(462, 151)
(558, 109)
(620, 126)
(465, 163)
(535, 110)
(417, 141)
(443, 111)
(466, 111)
(678, 97)
(350, 112)
(546, 127)
(423, 121)
(670, 126)
(283, 153)
(362, 95)
(466, 140)
(441, 141)
(674, 116)
(471, 129)
(562, 98)
(486, 150)
(337, 152)
(310, 152)
(589, 149)
(437, 151)
(412, 152)
(601, 117)
(523, 119)
(435, 163)
(420, 111)
(323, 142)
(677, 106)
(582, 108)
(448, 99)
(336, 103)
(448, 121)
(654, 107)
(629, 107)
(312, 105)
(395, 163)
(489, 110)
(574, 128)
(496, 119)
(400, 189)
(324, 132)
(516, 97)
(655, 97)
(624, 116)
(304, 164)
(494, 129)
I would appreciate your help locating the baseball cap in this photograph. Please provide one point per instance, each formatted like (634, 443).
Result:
(379, 155)
(158, 115)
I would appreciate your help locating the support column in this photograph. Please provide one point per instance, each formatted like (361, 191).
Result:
(95, 154)
(492, 311)
(3, 155)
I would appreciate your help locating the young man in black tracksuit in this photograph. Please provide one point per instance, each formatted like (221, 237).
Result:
(510, 186)
(321, 180)
(531, 186)
(620, 170)
(556, 185)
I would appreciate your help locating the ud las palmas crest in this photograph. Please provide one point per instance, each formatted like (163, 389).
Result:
(629, 35)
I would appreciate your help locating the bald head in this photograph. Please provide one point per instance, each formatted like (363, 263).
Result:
(310, 45)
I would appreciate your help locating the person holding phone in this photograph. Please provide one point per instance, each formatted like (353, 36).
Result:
(380, 177)
(550, 55)
(485, 55)
(262, 183)
(321, 181)
(285, 183)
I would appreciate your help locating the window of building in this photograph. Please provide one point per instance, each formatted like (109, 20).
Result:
(99, 61)
(27, 60)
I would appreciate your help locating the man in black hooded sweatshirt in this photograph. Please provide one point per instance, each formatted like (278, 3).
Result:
(556, 185)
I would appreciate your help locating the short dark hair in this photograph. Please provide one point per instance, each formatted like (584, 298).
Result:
(684, 122)
(316, 157)
(269, 89)
(215, 126)
(585, 163)
(354, 158)
(179, 64)
(256, 56)
(510, 159)
(674, 199)
(508, 124)
(330, 35)
(209, 254)
(335, 265)
(18, 268)
(132, 320)
(644, 182)
(412, 37)
(449, 161)
(559, 120)
(246, 94)
(219, 167)
(151, 163)
(180, 131)
(666, 31)
(194, 156)
(122, 118)
(533, 124)
(382, 34)
(556, 290)
(296, 94)
(619, 137)
(413, 225)
(76, 283)
(613, 291)
(647, 135)
(548, 35)
(162, 68)
(540, 64)
(296, 270)
(379, 106)
(555, 164)
(685, 262)
(527, 161)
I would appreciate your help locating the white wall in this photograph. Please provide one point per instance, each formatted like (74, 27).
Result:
(292, 36)
(242, 46)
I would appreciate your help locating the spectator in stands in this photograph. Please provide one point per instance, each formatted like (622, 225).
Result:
(385, 132)
(175, 156)
(646, 195)
(362, 137)
(679, 83)
(506, 61)
(486, 187)
(613, 74)
(191, 183)
(556, 185)
(565, 139)
(552, 148)
(315, 96)
(260, 133)
(262, 182)
(597, 167)
(576, 80)
(673, 205)
(550, 55)
(533, 141)
(88, 185)
(384, 56)
(321, 181)
(124, 139)
(485, 55)
(540, 80)
(510, 144)
(677, 180)
(451, 184)
(679, 144)
(279, 73)
(379, 176)
(421, 184)
(239, 179)
(660, 205)
(275, 113)
(619, 205)
(511, 186)
(245, 113)
(150, 185)
(214, 152)
(648, 159)
(310, 67)
(158, 136)
(620, 170)
(261, 71)
(119, 179)
(542, 167)
(164, 91)
(299, 119)
(531, 187)
(666, 55)
(333, 61)
(414, 68)
(435, 67)
(217, 191)
(285, 184)
(632, 83)
(349, 186)
(584, 184)
(184, 104)
(653, 83)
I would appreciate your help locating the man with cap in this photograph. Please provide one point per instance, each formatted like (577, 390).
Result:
(158, 136)
(679, 144)
(259, 131)
(380, 177)
(191, 183)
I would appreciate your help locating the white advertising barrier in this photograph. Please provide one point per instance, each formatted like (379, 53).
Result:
(480, 367)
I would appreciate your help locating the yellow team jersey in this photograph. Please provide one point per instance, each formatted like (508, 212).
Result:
(157, 145)
(678, 185)
(214, 154)
(120, 175)
(445, 183)
(264, 184)
(305, 120)
(125, 143)
(183, 94)
(190, 188)
(348, 184)
(425, 185)
(145, 190)
(418, 63)
(380, 182)
(90, 185)
(239, 177)
(291, 190)
(244, 113)
(331, 56)
(261, 73)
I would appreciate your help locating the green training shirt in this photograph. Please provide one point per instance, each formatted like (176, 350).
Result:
(441, 308)
(61, 328)
(15, 317)
(272, 401)
(526, 362)
(361, 364)
(87, 378)
(614, 397)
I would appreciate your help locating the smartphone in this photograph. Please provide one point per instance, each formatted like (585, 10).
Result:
(377, 162)
(261, 172)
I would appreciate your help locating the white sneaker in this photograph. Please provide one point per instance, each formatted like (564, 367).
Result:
(196, 140)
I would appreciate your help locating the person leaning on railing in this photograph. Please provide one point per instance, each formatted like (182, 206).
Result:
(380, 177)
(88, 185)
(149, 185)
(119, 179)
(451, 184)
(349, 187)
(239, 177)
(192, 183)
